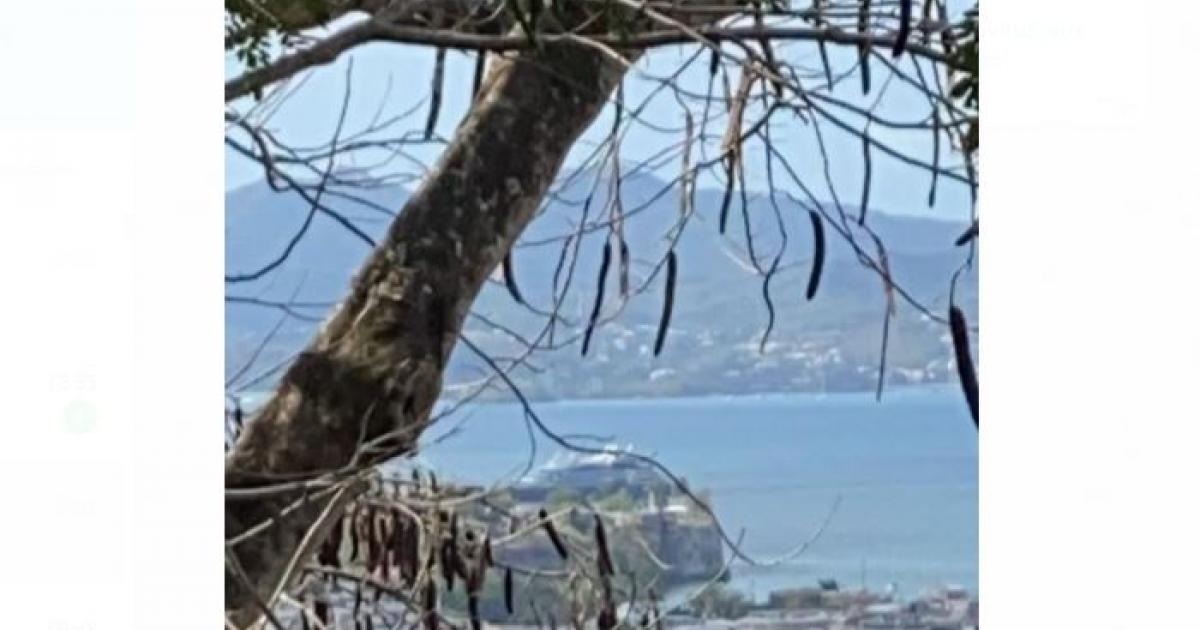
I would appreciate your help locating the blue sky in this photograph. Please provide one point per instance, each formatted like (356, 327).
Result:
(397, 77)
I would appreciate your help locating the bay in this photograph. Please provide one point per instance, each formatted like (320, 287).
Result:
(903, 473)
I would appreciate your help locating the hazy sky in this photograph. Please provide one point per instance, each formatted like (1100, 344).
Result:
(390, 79)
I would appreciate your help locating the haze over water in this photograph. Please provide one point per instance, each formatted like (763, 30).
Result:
(906, 469)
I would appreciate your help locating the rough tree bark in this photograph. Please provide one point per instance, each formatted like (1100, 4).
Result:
(376, 366)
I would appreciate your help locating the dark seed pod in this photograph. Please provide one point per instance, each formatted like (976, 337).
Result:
(727, 198)
(714, 62)
(971, 234)
(510, 279)
(487, 551)
(357, 624)
(605, 259)
(864, 49)
(321, 609)
(477, 80)
(607, 619)
(372, 558)
(433, 484)
(937, 152)
(475, 576)
(396, 543)
(358, 588)
(380, 534)
(448, 568)
(814, 276)
(962, 358)
(905, 28)
(664, 322)
(435, 100)
(431, 616)
(411, 553)
(825, 62)
(387, 531)
(370, 624)
(473, 612)
(353, 527)
(508, 590)
(238, 415)
(603, 559)
(552, 534)
(624, 270)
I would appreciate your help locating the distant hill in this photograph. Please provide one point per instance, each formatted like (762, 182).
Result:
(829, 344)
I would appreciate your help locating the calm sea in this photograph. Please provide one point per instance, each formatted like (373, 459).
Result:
(905, 469)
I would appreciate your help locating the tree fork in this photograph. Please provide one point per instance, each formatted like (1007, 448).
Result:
(375, 369)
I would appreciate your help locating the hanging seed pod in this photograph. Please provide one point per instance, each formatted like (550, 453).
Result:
(379, 536)
(510, 279)
(645, 622)
(603, 559)
(386, 532)
(714, 62)
(399, 536)
(508, 590)
(435, 99)
(814, 276)
(411, 554)
(357, 624)
(321, 609)
(473, 612)
(477, 80)
(962, 358)
(448, 568)
(664, 322)
(605, 259)
(607, 619)
(433, 484)
(487, 551)
(905, 28)
(353, 527)
(825, 63)
(548, 527)
(482, 562)
(369, 622)
(624, 268)
(431, 616)
(971, 234)
(864, 49)
(372, 558)
(730, 162)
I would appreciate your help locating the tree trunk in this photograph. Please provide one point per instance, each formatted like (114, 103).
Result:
(376, 367)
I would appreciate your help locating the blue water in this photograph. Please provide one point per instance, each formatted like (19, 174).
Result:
(905, 469)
